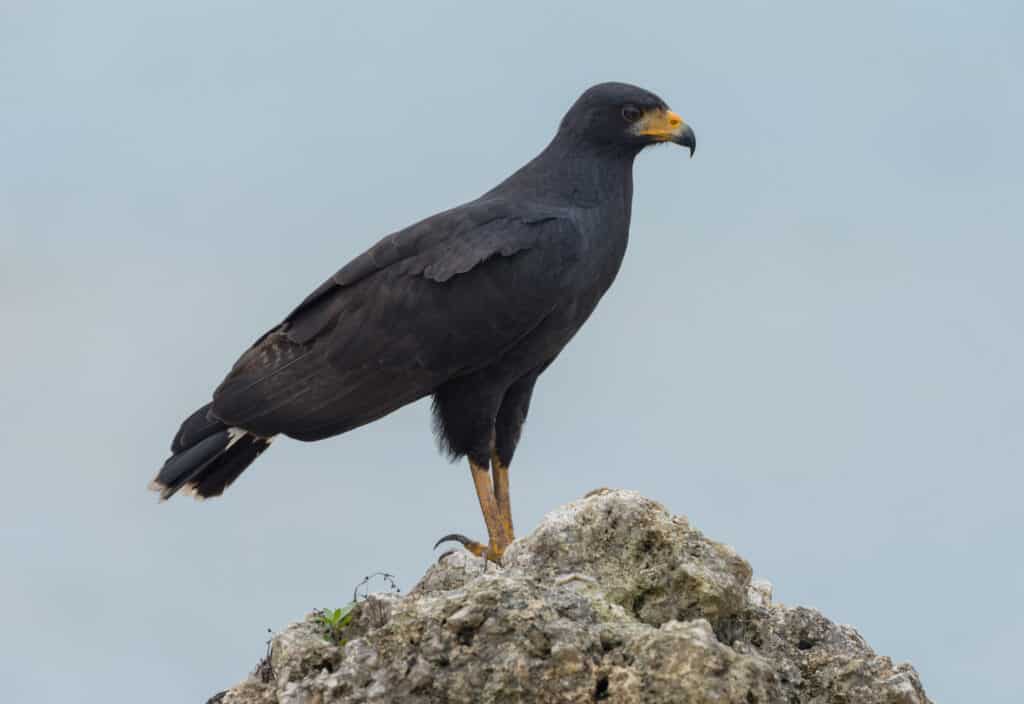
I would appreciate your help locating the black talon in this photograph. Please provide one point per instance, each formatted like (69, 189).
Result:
(457, 537)
(443, 555)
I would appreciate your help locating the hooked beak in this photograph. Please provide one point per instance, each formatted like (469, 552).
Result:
(667, 126)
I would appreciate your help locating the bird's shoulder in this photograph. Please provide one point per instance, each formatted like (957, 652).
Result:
(486, 225)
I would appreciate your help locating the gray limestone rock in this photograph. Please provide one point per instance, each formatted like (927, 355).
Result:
(610, 599)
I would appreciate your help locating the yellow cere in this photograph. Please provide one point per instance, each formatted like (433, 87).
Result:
(660, 124)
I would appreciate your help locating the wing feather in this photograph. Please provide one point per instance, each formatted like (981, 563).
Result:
(448, 295)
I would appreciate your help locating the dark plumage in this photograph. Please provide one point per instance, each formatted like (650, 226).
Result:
(470, 305)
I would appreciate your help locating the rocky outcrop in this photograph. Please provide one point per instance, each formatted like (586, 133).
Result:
(610, 599)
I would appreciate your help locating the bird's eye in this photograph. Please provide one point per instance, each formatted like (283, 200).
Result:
(631, 113)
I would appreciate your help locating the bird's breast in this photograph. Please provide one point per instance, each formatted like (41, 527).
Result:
(604, 234)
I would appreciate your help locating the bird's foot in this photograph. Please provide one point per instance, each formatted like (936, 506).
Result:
(492, 552)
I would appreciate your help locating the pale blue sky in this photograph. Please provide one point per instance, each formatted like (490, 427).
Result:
(813, 349)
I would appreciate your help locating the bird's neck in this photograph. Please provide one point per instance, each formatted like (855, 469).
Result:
(572, 172)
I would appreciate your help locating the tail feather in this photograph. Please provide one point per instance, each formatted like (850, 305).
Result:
(207, 456)
(198, 426)
(180, 468)
(218, 474)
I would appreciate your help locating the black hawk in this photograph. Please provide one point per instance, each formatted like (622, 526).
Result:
(469, 306)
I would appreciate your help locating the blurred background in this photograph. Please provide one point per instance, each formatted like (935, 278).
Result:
(813, 349)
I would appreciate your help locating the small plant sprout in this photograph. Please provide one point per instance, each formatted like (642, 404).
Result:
(334, 622)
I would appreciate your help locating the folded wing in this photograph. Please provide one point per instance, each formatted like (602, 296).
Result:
(443, 298)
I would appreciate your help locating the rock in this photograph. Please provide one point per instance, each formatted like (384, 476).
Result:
(610, 599)
(639, 556)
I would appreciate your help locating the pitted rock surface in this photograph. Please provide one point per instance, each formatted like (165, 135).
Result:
(610, 599)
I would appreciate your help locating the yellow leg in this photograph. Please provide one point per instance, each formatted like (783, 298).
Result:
(501, 496)
(499, 528)
(489, 508)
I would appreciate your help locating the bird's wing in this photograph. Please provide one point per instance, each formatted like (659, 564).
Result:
(445, 297)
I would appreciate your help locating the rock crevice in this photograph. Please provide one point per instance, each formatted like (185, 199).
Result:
(610, 599)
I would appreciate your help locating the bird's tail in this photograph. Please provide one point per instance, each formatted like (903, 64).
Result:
(206, 456)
